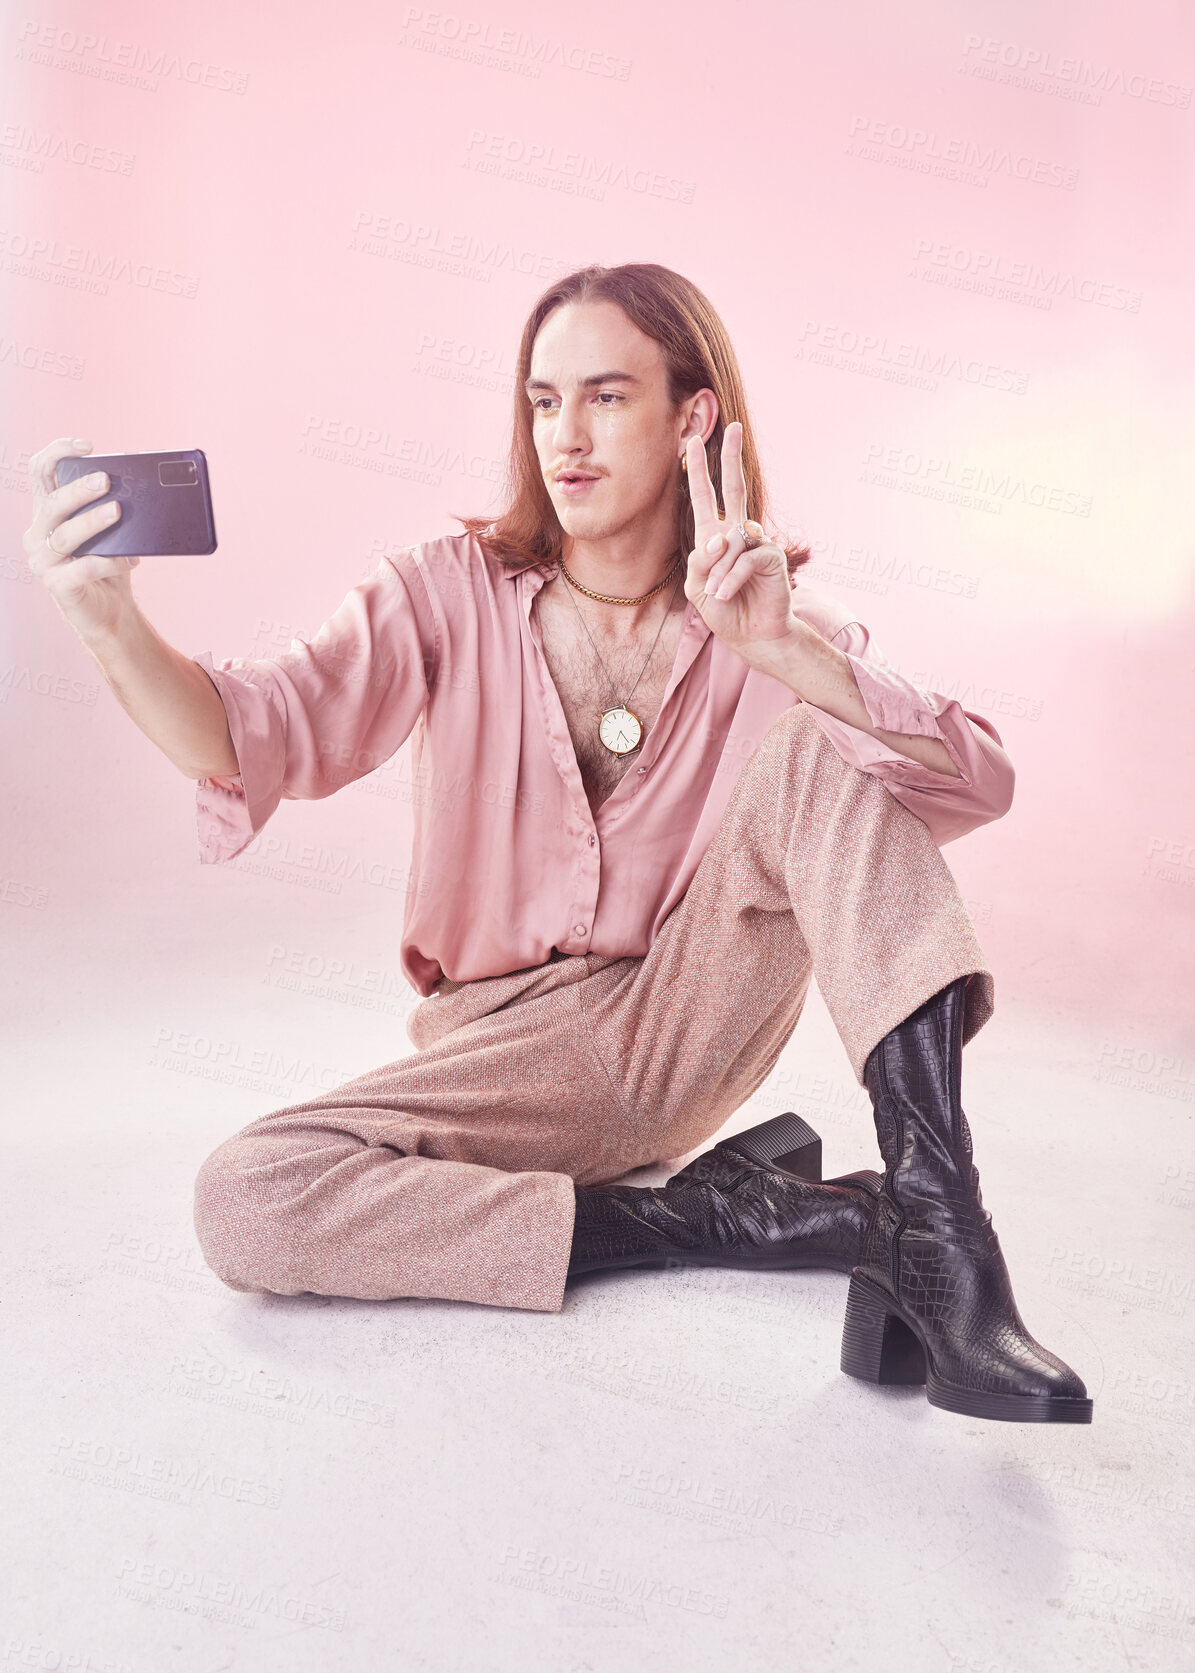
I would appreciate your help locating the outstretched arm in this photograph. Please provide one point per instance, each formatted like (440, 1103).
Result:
(158, 687)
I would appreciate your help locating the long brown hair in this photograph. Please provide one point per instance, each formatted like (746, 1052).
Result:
(697, 354)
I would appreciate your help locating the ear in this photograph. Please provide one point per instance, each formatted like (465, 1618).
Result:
(701, 415)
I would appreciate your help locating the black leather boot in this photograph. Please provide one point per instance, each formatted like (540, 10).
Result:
(742, 1204)
(930, 1300)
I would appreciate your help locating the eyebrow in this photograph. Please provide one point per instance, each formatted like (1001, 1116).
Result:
(587, 383)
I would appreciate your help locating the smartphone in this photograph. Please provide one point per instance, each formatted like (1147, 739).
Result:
(165, 503)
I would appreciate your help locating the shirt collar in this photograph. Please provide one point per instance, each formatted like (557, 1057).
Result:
(548, 568)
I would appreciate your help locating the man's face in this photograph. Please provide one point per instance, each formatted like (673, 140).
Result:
(618, 433)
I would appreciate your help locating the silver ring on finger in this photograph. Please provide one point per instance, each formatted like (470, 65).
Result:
(749, 540)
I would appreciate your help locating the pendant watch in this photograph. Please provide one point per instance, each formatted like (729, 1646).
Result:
(620, 730)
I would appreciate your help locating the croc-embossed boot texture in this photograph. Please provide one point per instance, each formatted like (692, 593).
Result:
(930, 1299)
(754, 1200)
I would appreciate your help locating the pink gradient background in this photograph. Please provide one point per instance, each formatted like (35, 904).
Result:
(257, 195)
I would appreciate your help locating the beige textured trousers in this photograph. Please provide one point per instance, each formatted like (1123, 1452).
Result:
(450, 1172)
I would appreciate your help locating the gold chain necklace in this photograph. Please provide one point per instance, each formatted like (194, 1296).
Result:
(620, 730)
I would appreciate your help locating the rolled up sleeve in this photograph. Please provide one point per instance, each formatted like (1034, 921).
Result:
(949, 806)
(334, 707)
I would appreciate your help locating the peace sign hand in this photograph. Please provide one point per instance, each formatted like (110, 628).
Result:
(743, 594)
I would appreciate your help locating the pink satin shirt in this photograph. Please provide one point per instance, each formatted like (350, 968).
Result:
(440, 645)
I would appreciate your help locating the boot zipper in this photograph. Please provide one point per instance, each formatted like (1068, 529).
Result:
(889, 1102)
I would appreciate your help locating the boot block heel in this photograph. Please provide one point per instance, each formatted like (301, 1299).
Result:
(877, 1345)
(785, 1142)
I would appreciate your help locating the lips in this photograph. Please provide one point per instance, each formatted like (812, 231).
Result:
(572, 484)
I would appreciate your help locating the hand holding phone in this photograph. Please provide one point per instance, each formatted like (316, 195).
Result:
(68, 539)
(164, 500)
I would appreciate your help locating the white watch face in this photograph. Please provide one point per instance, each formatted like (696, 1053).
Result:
(619, 730)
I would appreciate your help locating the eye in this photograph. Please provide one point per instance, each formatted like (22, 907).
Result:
(609, 396)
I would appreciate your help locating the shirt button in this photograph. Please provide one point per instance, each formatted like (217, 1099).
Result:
(592, 840)
(578, 929)
(640, 769)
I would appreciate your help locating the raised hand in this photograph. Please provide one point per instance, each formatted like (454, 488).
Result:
(94, 592)
(743, 594)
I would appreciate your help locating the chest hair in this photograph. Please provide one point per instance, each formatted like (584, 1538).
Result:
(585, 691)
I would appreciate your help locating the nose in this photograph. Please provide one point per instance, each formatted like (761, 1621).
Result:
(569, 433)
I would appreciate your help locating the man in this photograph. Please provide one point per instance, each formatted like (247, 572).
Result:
(659, 785)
